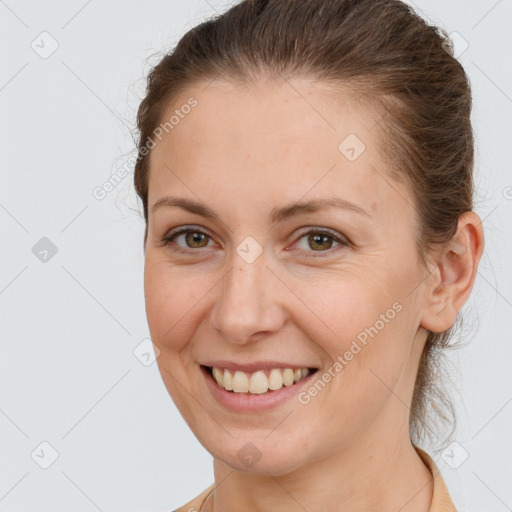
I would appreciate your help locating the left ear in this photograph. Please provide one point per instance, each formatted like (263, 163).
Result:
(454, 274)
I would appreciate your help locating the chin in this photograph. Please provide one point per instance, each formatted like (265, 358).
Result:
(252, 453)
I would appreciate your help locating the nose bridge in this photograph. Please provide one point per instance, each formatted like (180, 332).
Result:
(247, 302)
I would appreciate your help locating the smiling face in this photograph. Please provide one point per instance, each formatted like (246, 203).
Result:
(247, 285)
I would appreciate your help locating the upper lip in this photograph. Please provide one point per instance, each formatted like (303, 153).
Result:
(254, 366)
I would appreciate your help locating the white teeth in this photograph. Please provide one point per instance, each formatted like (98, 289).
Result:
(240, 382)
(257, 382)
(219, 376)
(275, 379)
(288, 377)
(227, 381)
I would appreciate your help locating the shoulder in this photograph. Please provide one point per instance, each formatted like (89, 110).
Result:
(441, 499)
(195, 504)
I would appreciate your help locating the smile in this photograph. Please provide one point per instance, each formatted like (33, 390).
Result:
(258, 382)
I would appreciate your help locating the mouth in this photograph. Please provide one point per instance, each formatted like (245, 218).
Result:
(264, 381)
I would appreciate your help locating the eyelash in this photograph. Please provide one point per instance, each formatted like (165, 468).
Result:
(343, 242)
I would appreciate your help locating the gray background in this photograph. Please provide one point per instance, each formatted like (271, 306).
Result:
(70, 324)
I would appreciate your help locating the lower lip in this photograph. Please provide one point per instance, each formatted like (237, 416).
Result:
(248, 402)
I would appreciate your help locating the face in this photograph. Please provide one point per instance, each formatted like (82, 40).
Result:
(240, 284)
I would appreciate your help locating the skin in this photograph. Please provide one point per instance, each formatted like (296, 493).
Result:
(242, 152)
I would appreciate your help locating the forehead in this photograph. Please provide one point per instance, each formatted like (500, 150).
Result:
(274, 140)
(272, 111)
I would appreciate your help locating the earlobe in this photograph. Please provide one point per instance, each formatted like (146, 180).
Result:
(454, 274)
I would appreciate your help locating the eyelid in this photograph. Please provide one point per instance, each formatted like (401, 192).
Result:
(322, 230)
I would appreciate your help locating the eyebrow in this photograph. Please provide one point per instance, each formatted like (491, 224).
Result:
(276, 214)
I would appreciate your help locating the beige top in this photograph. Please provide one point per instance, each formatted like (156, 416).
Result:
(441, 501)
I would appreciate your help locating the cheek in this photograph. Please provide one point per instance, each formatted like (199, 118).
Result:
(365, 325)
(349, 305)
(173, 297)
(364, 358)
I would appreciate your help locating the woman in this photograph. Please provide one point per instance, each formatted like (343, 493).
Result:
(305, 170)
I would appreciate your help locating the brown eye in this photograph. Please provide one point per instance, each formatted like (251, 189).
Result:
(320, 241)
(196, 237)
(193, 239)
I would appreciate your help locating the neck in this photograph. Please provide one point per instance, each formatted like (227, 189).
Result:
(362, 476)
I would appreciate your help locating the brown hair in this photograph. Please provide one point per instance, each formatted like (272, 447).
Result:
(391, 58)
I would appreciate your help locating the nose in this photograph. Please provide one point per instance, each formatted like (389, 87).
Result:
(248, 305)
